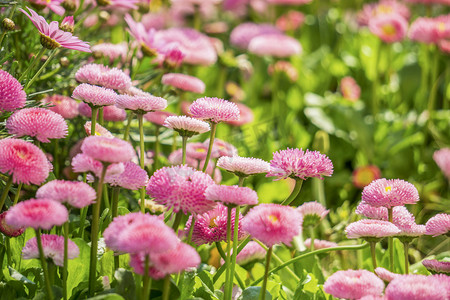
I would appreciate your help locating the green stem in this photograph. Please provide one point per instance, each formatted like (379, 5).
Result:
(241, 181)
(197, 18)
(94, 111)
(114, 211)
(262, 294)
(220, 250)
(100, 116)
(177, 221)
(222, 268)
(166, 288)
(235, 243)
(434, 85)
(17, 196)
(82, 221)
(156, 156)
(184, 142)
(94, 233)
(146, 282)
(33, 64)
(373, 253)
(5, 192)
(375, 82)
(295, 192)
(406, 248)
(311, 236)
(66, 258)
(227, 261)
(391, 243)
(40, 70)
(142, 155)
(211, 143)
(126, 134)
(106, 197)
(191, 230)
(8, 250)
(44, 265)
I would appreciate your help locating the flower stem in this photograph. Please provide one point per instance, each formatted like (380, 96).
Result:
(434, 85)
(40, 70)
(375, 82)
(156, 156)
(295, 192)
(227, 261)
(8, 250)
(66, 260)
(142, 154)
(126, 134)
(5, 192)
(406, 248)
(114, 211)
(373, 253)
(262, 294)
(166, 288)
(222, 268)
(391, 243)
(184, 141)
(82, 220)
(211, 143)
(100, 116)
(241, 181)
(235, 243)
(94, 232)
(94, 111)
(44, 265)
(191, 230)
(177, 221)
(311, 236)
(147, 281)
(220, 250)
(33, 64)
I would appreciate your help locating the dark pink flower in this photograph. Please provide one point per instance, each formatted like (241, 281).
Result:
(436, 266)
(75, 193)
(12, 95)
(214, 110)
(67, 24)
(184, 82)
(390, 193)
(63, 105)
(353, 284)
(232, 195)
(8, 230)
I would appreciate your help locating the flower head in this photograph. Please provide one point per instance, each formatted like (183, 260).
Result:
(439, 224)
(53, 247)
(290, 21)
(141, 104)
(24, 161)
(436, 266)
(245, 32)
(181, 258)
(243, 166)
(232, 195)
(389, 28)
(99, 130)
(186, 126)
(75, 193)
(363, 176)
(251, 252)
(84, 163)
(8, 230)
(94, 95)
(196, 151)
(145, 37)
(246, 116)
(415, 287)
(272, 223)
(312, 212)
(350, 89)
(12, 96)
(67, 24)
(101, 75)
(184, 82)
(63, 105)
(386, 275)
(371, 229)
(442, 159)
(158, 117)
(37, 213)
(276, 45)
(133, 177)
(53, 5)
(214, 110)
(390, 193)
(429, 30)
(111, 51)
(320, 244)
(40, 123)
(221, 148)
(111, 113)
(110, 150)
(353, 284)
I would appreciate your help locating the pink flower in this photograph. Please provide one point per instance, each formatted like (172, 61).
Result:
(40, 123)
(173, 57)
(242, 34)
(272, 223)
(197, 151)
(296, 163)
(53, 246)
(383, 7)
(363, 176)
(350, 89)
(132, 178)
(181, 188)
(184, 82)
(371, 229)
(415, 287)
(386, 275)
(137, 262)
(320, 244)
(111, 51)
(107, 150)
(289, 2)
(145, 37)
(181, 258)
(84, 163)
(158, 117)
(211, 226)
(186, 126)
(252, 251)
(37, 213)
(442, 159)
(353, 284)
(439, 224)
(67, 24)
(111, 4)
(94, 95)
(214, 110)
(243, 166)
(7, 229)
(52, 37)
(141, 104)
(436, 266)
(111, 113)
(246, 116)
(221, 148)
(102, 75)
(63, 105)
(312, 212)
(99, 130)
(283, 67)
(232, 195)
(389, 28)
(430, 30)
(75, 193)
(390, 193)
(53, 5)
(290, 21)
(12, 96)
(24, 161)
(275, 45)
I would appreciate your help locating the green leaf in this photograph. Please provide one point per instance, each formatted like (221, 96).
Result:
(126, 285)
(252, 293)
(78, 268)
(188, 287)
(107, 297)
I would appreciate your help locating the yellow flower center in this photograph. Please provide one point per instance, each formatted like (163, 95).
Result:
(441, 26)
(383, 9)
(49, 43)
(212, 223)
(388, 189)
(273, 219)
(388, 30)
(201, 150)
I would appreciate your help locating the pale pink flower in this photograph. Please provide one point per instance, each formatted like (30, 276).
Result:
(145, 37)
(111, 113)
(84, 163)
(158, 117)
(102, 75)
(242, 34)
(232, 195)
(99, 130)
(75, 193)
(24, 161)
(290, 21)
(276, 45)
(214, 110)
(430, 30)
(289, 2)
(436, 266)
(353, 284)
(390, 193)
(94, 95)
(243, 166)
(386, 275)
(312, 212)
(181, 258)
(37, 213)
(246, 115)
(416, 287)
(444, 46)
(141, 104)
(108, 150)
(184, 82)
(197, 151)
(52, 37)
(439, 224)
(363, 176)
(273, 223)
(252, 251)
(221, 148)
(283, 67)
(8, 230)
(383, 7)
(53, 248)
(389, 28)
(40, 123)
(371, 229)
(442, 159)
(186, 126)
(132, 178)
(296, 163)
(12, 95)
(320, 244)
(350, 89)
(63, 105)
(111, 51)
(115, 4)
(137, 262)
(53, 5)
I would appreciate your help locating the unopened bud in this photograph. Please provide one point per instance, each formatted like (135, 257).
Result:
(69, 5)
(8, 24)
(64, 61)
(67, 24)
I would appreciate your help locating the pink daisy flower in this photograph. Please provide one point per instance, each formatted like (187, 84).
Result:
(383, 7)
(12, 96)
(40, 123)
(438, 225)
(181, 188)
(53, 246)
(99, 130)
(181, 258)
(390, 193)
(232, 195)
(246, 116)
(111, 51)
(243, 166)
(442, 159)
(350, 89)
(353, 284)
(137, 262)
(296, 163)
(196, 151)
(158, 117)
(24, 161)
(320, 244)
(290, 21)
(211, 226)
(67, 24)
(184, 82)
(94, 95)
(272, 223)
(377, 229)
(75, 193)
(186, 126)
(53, 5)
(363, 176)
(221, 148)
(133, 177)
(107, 150)
(63, 105)
(415, 287)
(436, 266)
(7, 229)
(102, 75)
(37, 213)
(111, 113)
(289, 2)
(111, 4)
(145, 37)
(283, 67)
(52, 37)
(173, 57)
(214, 110)
(84, 163)
(141, 104)
(276, 45)
(389, 28)
(312, 212)
(386, 275)
(430, 30)
(242, 34)
(251, 252)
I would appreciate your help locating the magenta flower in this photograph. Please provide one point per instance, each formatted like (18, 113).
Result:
(181, 188)
(111, 113)
(320, 244)
(158, 117)
(246, 116)
(232, 195)
(12, 96)
(8, 230)
(184, 82)
(146, 38)
(363, 176)
(214, 110)
(186, 126)
(442, 159)
(245, 32)
(67, 24)
(53, 246)
(353, 284)
(107, 150)
(141, 104)
(75, 193)
(52, 37)
(276, 45)
(290, 21)
(173, 57)
(389, 28)
(24, 161)
(40, 123)
(53, 5)
(371, 229)
(439, 224)
(416, 287)
(243, 166)
(295, 163)
(102, 75)
(436, 266)
(350, 89)
(132, 177)
(63, 105)
(181, 258)
(273, 223)
(386, 275)
(390, 193)
(94, 95)
(99, 130)
(312, 212)
(37, 213)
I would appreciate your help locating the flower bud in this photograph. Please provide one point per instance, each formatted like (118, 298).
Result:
(8, 24)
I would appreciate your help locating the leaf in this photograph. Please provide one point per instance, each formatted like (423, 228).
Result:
(252, 293)
(78, 268)
(188, 287)
(126, 285)
(107, 297)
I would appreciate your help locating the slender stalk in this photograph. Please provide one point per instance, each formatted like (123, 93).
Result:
(156, 156)
(94, 232)
(114, 211)
(227, 261)
(126, 134)
(222, 268)
(106, 196)
(220, 250)
(375, 82)
(184, 141)
(5, 192)
(17, 196)
(262, 294)
(8, 250)
(211, 143)
(197, 18)
(94, 111)
(434, 85)
(52, 54)
(66, 260)
(2, 37)
(391, 243)
(44, 265)
(166, 288)
(311, 236)
(235, 243)
(241, 181)
(191, 230)
(142, 155)
(295, 192)
(373, 254)
(33, 64)
(177, 221)
(100, 116)
(82, 220)
(406, 248)
(146, 282)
